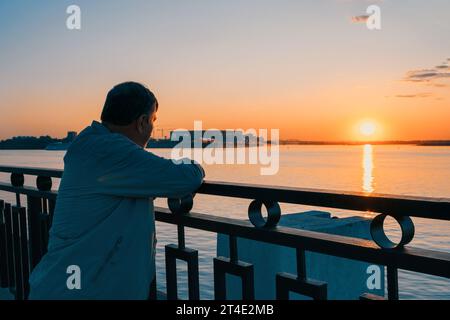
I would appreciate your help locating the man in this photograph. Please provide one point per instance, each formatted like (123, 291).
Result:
(101, 242)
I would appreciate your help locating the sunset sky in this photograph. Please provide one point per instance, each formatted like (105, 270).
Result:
(304, 67)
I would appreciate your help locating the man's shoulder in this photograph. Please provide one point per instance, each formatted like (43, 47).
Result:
(93, 142)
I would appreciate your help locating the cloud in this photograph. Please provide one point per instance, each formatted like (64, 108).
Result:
(438, 85)
(425, 75)
(414, 95)
(360, 19)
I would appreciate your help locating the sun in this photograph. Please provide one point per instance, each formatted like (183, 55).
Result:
(368, 128)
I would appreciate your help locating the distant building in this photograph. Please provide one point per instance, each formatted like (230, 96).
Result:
(63, 144)
(71, 135)
(229, 138)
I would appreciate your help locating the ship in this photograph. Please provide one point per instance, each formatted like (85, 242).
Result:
(169, 144)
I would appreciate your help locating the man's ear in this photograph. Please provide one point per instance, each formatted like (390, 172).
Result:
(140, 123)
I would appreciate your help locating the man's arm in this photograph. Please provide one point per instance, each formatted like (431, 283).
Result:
(135, 172)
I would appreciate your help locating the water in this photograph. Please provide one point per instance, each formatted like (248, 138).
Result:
(400, 170)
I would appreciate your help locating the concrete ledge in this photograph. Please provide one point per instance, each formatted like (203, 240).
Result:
(347, 279)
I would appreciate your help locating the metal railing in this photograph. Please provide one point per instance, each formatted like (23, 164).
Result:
(24, 235)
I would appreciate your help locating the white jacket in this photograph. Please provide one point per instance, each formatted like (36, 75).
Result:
(104, 220)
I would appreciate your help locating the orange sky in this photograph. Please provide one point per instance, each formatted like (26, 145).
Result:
(232, 65)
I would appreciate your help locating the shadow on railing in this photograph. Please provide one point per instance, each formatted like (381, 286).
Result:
(24, 235)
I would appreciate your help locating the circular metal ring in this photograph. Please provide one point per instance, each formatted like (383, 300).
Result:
(273, 213)
(44, 183)
(380, 237)
(181, 206)
(17, 180)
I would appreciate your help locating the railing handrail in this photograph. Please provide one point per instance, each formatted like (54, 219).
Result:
(424, 207)
(29, 191)
(34, 171)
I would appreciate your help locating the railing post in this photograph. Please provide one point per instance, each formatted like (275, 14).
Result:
(34, 229)
(241, 269)
(51, 211)
(233, 266)
(44, 223)
(171, 274)
(4, 283)
(18, 266)
(44, 183)
(392, 281)
(173, 252)
(25, 250)
(300, 284)
(9, 245)
(17, 180)
(153, 293)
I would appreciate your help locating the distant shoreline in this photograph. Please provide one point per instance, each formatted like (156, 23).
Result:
(429, 143)
(434, 143)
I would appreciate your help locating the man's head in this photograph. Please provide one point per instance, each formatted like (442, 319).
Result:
(130, 108)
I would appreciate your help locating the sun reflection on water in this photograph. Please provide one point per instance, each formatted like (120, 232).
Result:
(367, 164)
